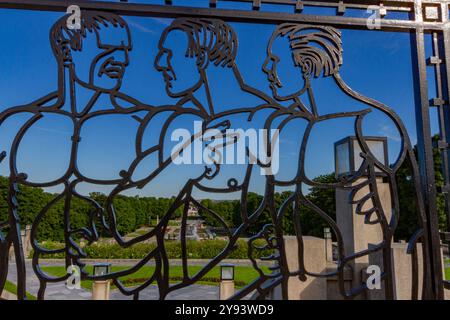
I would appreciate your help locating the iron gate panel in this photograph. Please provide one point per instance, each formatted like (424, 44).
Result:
(316, 45)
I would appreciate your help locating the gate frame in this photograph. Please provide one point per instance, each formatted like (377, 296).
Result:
(418, 26)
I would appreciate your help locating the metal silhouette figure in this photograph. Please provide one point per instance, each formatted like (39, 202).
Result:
(209, 42)
(103, 77)
(316, 51)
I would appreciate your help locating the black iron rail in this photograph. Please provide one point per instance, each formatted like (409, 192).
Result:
(134, 9)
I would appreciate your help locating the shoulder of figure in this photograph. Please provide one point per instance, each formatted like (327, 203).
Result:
(124, 101)
(52, 101)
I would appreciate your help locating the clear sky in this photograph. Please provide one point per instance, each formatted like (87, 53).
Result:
(376, 64)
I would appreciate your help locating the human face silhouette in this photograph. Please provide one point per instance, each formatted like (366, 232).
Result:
(180, 71)
(285, 76)
(102, 62)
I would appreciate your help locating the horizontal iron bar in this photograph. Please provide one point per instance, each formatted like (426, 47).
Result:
(393, 5)
(328, 2)
(134, 9)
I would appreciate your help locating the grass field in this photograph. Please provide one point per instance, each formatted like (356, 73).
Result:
(243, 275)
(11, 288)
(447, 270)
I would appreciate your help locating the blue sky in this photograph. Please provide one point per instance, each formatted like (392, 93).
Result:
(376, 64)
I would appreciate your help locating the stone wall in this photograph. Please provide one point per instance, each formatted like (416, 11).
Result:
(327, 288)
(314, 288)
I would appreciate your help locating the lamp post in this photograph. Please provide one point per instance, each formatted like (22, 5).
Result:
(327, 233)
(357, 233)
(25, 236)
(226, 281)
(101, 288)
(347, 154)
(328, 244)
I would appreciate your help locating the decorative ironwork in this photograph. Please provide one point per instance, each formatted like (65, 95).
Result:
(316, 46)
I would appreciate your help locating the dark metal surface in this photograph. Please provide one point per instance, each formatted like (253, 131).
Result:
(213, 41)
(251, 15)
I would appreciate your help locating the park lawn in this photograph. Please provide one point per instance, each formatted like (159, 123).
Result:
(12, 288)
(447, 270)
(243, 275)
(139, 232)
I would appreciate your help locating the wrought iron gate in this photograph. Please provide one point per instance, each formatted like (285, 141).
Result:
(316, 45)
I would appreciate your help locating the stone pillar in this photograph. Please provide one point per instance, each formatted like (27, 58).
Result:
(26, 243)
(357, 235)
(100, 290)
(226, 289)
(333, 285)
(314, 288)
(403, 270)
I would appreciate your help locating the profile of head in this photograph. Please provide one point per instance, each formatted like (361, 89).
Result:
(313, 50)
(97, 53)
(188, 46)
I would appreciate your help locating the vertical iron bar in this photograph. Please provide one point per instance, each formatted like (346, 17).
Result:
(446, 111)
(15, 238)
(433, 289)
(442, 106)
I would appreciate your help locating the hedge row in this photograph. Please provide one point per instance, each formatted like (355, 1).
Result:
(206, 249)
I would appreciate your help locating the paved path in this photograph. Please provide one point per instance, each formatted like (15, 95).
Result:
(172, 262)
(194, 292)
(54, 291)
(58, 291)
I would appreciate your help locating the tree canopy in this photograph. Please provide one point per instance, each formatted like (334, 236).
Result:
(135, 212)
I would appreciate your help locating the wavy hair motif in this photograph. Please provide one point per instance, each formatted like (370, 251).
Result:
(317, 50)
(210, 38)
